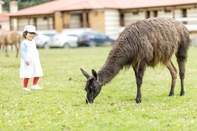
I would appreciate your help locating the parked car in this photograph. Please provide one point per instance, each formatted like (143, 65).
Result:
(94, 38)
(64, 40)
(43, 39)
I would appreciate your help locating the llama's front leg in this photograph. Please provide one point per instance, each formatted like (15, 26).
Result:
(173, 73)
(17, 49)
(138, 97)
(139, 73)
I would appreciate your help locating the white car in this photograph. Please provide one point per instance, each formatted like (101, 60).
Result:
(43, 39)
(64, 40)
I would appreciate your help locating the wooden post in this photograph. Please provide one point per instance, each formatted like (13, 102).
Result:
(145, 13)
(48, 22)
(173, 12)
(10, 21)
(58, 21)
(35, 22)
(84, 19)
(66, 20)
(29, 17)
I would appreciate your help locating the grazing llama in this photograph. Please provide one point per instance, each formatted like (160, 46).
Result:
(141, 44)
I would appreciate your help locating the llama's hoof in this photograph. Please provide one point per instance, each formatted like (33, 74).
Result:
(138, 100)
(171, 94)
(182, 93)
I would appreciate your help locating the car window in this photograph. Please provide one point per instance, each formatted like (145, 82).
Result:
(95, 34)
(85, 33)
(50, 35)
(101, 35)
(71, 35)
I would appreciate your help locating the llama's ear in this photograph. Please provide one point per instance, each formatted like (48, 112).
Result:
(85, 73)
(94, 74)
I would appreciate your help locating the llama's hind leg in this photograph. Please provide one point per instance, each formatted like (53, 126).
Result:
(139, 73)
(181, 64)
(173, 73)
(6, 51)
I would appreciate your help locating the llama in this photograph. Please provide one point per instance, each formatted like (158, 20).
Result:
(10, 38)
(141, 44)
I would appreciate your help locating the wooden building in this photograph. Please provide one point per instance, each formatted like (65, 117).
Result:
(108, 16)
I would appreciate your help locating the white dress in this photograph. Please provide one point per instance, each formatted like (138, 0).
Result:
(30, 53)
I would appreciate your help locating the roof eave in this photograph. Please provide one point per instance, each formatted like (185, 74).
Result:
(169, 5)
(88, 9)
(18, 15)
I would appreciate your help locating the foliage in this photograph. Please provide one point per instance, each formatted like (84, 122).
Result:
(23, 3)
(61, 103)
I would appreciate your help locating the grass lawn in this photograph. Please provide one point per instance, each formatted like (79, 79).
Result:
(60, 106)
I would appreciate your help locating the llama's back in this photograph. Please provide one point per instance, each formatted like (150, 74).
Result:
(153, 40)
(13, 37)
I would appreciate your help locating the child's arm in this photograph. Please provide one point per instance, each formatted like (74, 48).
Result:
(23, 53)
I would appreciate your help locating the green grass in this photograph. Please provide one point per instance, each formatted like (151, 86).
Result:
(60, 106)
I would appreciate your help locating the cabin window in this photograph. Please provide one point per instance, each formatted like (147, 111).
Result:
(167, 10)
(147, 14)
(45, 18)
(121, 19)
(184, 14)
(136, 13)
(155, 13)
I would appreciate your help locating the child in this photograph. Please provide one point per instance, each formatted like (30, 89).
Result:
(30, 66)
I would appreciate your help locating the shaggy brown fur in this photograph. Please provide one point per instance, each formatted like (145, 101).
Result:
(144, 43)
(10, 38)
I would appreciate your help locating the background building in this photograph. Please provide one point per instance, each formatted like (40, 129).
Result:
(109, 16)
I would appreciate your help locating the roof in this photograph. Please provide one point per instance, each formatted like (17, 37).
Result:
(90, 4)
(46, 8)
(65, 5)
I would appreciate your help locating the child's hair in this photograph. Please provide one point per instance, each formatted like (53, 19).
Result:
(24, 34)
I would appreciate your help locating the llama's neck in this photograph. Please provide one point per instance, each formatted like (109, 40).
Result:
(109, 70)
(117, 59)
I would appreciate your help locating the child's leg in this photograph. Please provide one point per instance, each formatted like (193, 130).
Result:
(25, 82)
(35, 81)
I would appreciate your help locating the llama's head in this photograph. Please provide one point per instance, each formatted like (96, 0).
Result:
(92, 87)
